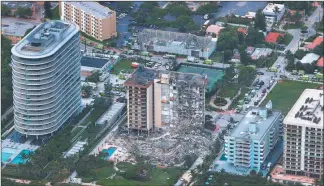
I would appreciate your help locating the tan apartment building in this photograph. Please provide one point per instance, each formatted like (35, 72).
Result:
(93, 19)
(158, 98)
(303, 136)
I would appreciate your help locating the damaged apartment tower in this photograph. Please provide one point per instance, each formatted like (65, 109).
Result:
(162, 98)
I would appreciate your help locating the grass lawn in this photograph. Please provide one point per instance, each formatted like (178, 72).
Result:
(167, 176)
(229, 91)
(123, 64)
(285, 94)
(293, 26)
(287, 39)
(55, 13)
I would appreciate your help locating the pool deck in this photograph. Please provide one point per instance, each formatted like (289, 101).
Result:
(17, 148)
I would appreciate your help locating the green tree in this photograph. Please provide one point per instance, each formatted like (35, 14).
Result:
(23, 12)
(208, 8)
(94, 77)
(124, 5)
(259, 21)
(299, 54)
(47, 9)
(240, 37)
(254, 37)
(227, 40)
(6, 74)
(290, 61)
(5, 10)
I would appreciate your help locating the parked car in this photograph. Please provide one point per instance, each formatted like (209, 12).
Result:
(260, 73)
(264, 90)
(261, 83)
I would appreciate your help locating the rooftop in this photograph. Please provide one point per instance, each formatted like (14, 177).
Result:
(260, 118)
(144, 77)
(93, 62)
(214, 29)
(16, 4)
(272, 37)
(93, 8)
(309, 58)
(316, 42)
(320, 62)
(270, 8)
(110, 113)
(12, 27)
(278, 173)
(45, 39)
(242, 30)
(308, 110)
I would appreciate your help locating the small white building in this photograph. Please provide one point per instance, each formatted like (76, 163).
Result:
(112, 114)
(310, 58)
(271, 15)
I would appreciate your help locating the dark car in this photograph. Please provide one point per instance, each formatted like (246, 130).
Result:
(260, 73)
(264, 90)
(261, 83)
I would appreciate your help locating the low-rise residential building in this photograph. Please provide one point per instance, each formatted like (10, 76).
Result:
(93, 19)
(214, 29)
(271, 14)
(250, 15)
(261, 52)
(272, 37)
(14, 30)
(303, 136)
(310, 58)
(317, 41)
(112, 114)
(320, 62)
(250, 142)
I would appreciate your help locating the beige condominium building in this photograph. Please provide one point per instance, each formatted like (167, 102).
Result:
(93, 19)
(158, 98)
(303, 136)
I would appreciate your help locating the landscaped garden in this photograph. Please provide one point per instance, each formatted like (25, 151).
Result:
(122, 65)
(285, 94)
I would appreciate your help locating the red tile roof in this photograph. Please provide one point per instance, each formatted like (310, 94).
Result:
(316, 42)
(320, 62)
(242, 30)
(272, 37)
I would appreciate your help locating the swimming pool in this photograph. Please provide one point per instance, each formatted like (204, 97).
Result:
(19, 158)
(109, 151)
(213, 75)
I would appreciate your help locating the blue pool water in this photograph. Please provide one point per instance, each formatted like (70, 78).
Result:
(5, 156)
(18, 159)
(109, 151)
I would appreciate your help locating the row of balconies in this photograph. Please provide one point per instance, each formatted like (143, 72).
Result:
(34, 76)
(48, 109)
(54, 66)
(69, 111)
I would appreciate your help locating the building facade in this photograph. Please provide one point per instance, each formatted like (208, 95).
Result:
(160, 98)
(93, 19)
(46, 78)
(254, 137)
(303, 136)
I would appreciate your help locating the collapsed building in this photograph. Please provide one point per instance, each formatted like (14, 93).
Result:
(162, 98)
(175, 43)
